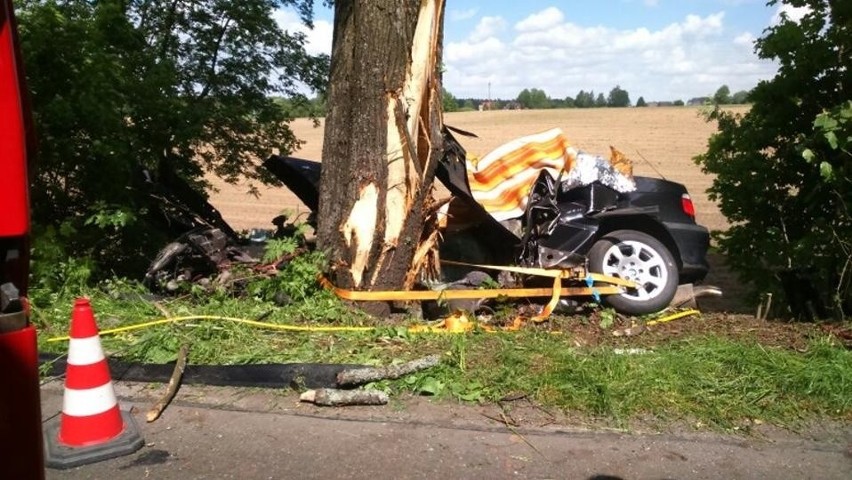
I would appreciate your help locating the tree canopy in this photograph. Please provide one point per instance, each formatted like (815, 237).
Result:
(783, 171)
(448, 101)
(739, 97)
(618, 97)
(722, 95)
(584, 99)
(122, 86)
(534, 98)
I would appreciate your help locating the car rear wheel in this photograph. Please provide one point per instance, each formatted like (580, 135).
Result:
(639, 257)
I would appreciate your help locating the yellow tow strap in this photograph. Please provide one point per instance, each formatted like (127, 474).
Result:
(403, 295)
(616, 286)
(578, 273)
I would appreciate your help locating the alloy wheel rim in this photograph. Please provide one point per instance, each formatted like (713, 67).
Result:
(636, 261)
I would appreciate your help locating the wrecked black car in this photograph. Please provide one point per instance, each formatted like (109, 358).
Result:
(540, 202)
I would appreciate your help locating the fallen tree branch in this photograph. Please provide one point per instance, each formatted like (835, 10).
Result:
(174, 382)
(360, 376)
(162, 309)
(332, 397)
(507, 421)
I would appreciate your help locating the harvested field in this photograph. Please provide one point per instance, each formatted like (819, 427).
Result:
(660, 141)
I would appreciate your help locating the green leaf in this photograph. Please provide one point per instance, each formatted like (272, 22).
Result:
(832, 139)
(808, 155)
(607, 319)
(825, 121)
(471, 396)
(826, 171)
(431, 386)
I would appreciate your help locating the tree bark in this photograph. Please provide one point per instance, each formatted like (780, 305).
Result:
(361, 376)
(332, 397)
(382, 141)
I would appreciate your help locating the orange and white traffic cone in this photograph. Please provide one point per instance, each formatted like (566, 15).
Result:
(91, 427)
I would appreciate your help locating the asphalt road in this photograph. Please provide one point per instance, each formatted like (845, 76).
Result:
(224, 433)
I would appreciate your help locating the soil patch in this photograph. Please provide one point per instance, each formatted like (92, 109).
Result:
(586, 332)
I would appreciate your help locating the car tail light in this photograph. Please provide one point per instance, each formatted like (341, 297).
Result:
(686, 204)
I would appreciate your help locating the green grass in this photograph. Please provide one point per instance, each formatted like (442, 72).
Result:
(716, 381)
(710, 380)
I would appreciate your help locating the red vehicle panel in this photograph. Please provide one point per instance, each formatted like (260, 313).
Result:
(21, 448)
(14, 207)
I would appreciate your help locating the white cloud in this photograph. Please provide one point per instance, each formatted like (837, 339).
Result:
(795, 14)
(317, 40)
(547, 18)
(688, 58)
(704, 26)
(459, 15)
(646, 3)
(474, 51)
(745, 39)
(487, 27)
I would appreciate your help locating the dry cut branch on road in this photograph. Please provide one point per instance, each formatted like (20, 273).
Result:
(174, 382)
(332, 397)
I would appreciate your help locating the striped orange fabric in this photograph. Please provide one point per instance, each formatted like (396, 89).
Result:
(501, 181)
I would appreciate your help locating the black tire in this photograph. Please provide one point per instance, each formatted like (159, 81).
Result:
(640, 257)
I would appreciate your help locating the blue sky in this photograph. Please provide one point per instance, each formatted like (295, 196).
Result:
(657, 49)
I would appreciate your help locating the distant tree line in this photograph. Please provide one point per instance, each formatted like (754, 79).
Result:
(299, 106)
(535, 98)
(530, 98)
(723, 96)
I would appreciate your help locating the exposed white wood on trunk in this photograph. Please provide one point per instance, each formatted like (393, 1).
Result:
(359, 229)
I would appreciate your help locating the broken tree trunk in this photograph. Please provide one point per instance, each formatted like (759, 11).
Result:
(360, 376)
(382, 142)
